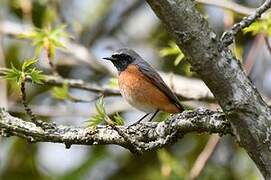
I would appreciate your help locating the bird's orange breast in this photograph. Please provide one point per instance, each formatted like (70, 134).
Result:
(141, 93)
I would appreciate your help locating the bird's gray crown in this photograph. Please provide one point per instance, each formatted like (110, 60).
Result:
(123, 57)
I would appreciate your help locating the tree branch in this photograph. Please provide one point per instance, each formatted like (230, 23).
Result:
(203, 157)
(228, 36)
(268, 45)
(187, 89)
(115, 16)
(248, 114)
(228, 5)
(195, 91)
(144, 136)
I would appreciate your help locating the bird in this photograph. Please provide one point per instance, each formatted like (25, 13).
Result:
(141, 85)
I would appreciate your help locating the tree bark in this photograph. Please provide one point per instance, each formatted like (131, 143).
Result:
(248, 114)
(137, 138)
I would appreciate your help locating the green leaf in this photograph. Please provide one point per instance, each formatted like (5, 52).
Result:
(100, 117)
(59, 31)
(28, 64)
(27, 71)
(100, 107)
(46, 38)
(31, 35)
(260, 26)
(13, 74)
(162, 116)
(36, 76)
(179, 58)
(172, 50)
(118, 120)
(61, 93)
(95, 121)
(52, 50)
(113, 82)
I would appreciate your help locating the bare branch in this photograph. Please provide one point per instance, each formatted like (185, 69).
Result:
(114, 17)
(228, 36)
(187, 89)
(268, 45)
(229, 6)
(257, 44)
(145, 136)
(203, 157)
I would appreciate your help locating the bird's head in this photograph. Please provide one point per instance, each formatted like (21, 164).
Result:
(122, 58)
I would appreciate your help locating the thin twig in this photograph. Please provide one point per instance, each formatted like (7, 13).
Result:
(228, 36)
(229, 6)
(49, 58)
(79, 100)
(204, 156)
(25, 104)
(29, 112)
(112, 20)
(80, 84)
(60, 110)
(251, 56)
(268, 45)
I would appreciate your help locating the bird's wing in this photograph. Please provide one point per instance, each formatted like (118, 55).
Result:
(156, 80)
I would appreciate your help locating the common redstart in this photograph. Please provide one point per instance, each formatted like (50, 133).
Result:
(142, 86)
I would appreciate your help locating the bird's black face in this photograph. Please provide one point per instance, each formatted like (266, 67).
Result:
(121, 60)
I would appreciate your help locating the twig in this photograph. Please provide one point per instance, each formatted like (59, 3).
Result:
(79, 100)
(49, 58)
(80, 84)
(195, 91)
(25, 104)
(229, 6)
(228, 36)
(268, 45)
(149, 135)
(112, 20)
(29, 112)
(61, 110)
(204, 156)
(251, 56)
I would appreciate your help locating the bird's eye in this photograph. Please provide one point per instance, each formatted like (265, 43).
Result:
(114, 55)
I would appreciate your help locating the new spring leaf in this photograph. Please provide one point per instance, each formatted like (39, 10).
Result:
(27, 70)
(102, 116)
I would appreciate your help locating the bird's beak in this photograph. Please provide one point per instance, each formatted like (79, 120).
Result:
(108, 58)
